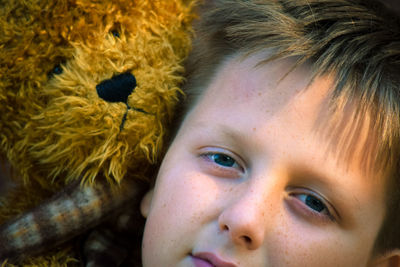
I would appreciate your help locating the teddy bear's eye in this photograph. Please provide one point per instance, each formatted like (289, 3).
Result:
(57, 69)
(115, 33)
(116, 30)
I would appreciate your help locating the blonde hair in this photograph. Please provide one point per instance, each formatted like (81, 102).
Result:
(356, 40)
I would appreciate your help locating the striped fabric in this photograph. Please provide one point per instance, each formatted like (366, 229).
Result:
(66, 215)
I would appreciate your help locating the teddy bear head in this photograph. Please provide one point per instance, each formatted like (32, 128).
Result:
(87, 88)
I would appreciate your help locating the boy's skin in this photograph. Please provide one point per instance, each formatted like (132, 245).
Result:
(282, 195)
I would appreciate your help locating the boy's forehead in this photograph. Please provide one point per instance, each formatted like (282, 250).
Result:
(248, 77)
(349, 134)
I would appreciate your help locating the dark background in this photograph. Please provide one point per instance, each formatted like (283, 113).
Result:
(392, 4)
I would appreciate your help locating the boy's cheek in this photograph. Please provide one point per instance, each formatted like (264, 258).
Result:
(181, 197)
(291, 245)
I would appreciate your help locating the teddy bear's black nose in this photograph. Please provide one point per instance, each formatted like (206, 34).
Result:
(118, 88)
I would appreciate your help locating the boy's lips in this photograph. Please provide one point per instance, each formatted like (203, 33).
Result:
(207, 259)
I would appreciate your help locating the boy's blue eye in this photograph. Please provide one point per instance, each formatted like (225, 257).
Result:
(313, 202)
(223, 160)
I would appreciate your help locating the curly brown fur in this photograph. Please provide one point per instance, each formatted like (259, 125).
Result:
(54, 126)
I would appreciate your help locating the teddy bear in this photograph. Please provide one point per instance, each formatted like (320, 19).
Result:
(87, 92)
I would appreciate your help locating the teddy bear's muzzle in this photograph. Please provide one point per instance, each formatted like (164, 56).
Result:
(118, 89)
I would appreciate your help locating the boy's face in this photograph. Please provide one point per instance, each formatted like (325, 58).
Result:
(248, 180)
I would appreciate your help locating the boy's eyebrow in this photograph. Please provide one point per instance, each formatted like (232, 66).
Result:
(222, 130)
(234, 136)
(229, 132)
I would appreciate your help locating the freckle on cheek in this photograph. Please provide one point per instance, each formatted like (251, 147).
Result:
(196, 217)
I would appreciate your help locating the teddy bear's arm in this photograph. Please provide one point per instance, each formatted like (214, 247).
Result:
(61, 218)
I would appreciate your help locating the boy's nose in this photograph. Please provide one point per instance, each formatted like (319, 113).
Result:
(244, 221)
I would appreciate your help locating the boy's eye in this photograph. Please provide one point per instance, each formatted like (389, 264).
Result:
(223, 160)
(313, 203)
(312, 207)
